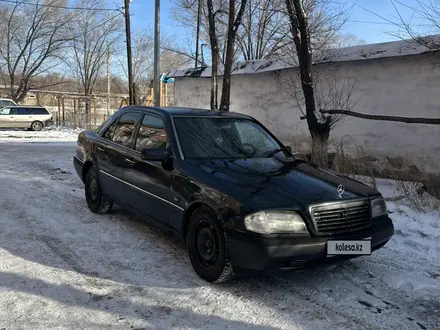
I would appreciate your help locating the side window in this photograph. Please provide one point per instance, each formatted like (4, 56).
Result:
(151, 134)
(39, 111)
(5, 111)
(24, 111)
(108, 135)
(124, 131)
(13, 111)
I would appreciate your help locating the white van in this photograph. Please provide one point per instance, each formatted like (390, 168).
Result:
(18, 116)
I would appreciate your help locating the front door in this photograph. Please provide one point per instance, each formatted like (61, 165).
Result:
(110, 154)
(148, 186)
(7, 118)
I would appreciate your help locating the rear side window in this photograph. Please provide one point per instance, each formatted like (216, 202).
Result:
(125, 128)
(23, 111)
(39, 111)
(151, 133)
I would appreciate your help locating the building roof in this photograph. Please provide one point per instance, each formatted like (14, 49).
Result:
(353, 53)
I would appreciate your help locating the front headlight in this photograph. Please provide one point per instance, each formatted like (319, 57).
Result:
(378, 207)
(269, 222)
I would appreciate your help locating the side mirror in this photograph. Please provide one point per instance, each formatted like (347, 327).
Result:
(155, 154)
(289, 148)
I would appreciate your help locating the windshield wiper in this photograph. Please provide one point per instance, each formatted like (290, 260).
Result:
(271, 153)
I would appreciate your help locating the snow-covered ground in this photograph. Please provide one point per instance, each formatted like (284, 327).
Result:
(62, 267)
(58, 134)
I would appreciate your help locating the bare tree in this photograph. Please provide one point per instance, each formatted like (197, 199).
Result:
(314, 27)
(265, 30)
(334, 88)
(32, 38)
(143, 57)
(185, 12)
(428, 22)
(234, 23)
(319, 125)
(214, 53)
(96, 32)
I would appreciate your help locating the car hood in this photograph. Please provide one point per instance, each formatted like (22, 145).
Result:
(273, 182)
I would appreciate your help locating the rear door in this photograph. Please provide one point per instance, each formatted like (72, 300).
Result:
(111, 151)
(40, 114)
(148, 186)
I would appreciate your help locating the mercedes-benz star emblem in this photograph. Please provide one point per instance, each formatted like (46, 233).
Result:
(341, 190)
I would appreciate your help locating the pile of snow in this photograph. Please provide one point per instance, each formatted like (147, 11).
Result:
(56, 134)
(416, 219)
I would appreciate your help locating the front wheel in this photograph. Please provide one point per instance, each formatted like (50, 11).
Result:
(96, 201)
(207, 246)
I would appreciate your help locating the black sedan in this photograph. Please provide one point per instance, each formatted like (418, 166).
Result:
(227, 187)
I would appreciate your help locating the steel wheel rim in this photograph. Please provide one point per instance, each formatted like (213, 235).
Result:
(93, 190)
(206, 244)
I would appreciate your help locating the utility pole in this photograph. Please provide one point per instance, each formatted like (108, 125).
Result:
(156, 83)
(108, 80)
(128, 36)
(199, 9)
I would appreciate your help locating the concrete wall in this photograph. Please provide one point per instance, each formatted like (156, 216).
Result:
(402, 86)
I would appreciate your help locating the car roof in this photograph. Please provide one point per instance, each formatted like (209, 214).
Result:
(194, 112)
(26, 106)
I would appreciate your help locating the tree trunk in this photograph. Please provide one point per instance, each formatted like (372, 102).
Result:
(233, 24)
(214, 55)
(320, 136)
(319, 126)
(226, 89)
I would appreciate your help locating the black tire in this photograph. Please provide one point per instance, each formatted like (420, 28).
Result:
(208, 246)
(96, 201)
(37, 126)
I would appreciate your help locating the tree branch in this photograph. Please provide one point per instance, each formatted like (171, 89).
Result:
(407, 120)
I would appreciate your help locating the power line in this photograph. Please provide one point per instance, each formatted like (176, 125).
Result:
(57, 6)
(380, 23)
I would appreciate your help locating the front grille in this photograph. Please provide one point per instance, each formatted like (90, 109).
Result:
(337, 218)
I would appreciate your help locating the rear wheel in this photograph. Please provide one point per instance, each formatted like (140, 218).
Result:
(207, 246)
(96, 201)
(37, 126)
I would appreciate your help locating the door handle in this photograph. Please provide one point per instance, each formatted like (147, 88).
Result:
(101, 149)
(129, 162)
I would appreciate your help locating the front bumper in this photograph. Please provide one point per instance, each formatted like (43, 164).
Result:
(274, 254)
(78, 165)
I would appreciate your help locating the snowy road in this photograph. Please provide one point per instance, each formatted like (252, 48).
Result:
(62, 267)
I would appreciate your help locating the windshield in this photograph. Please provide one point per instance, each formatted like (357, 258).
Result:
(205, 138)
(6, 103)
